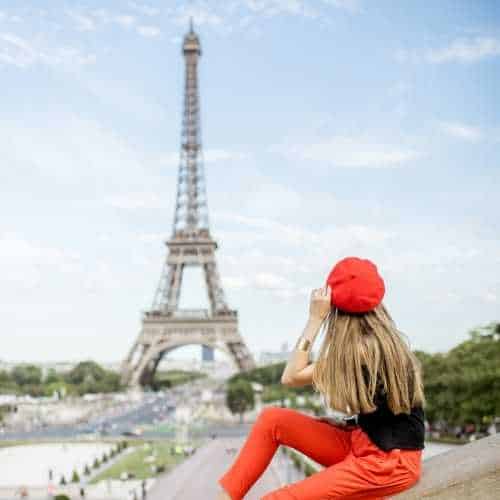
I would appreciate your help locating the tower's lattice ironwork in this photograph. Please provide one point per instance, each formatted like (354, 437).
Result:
(166, 326)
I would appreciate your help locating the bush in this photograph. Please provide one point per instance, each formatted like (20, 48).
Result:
(62, 482)
(75, 478)
(86, 470)
(96, 463)
(309, 470)
(104, 457)
(296, 461)
(61, 497)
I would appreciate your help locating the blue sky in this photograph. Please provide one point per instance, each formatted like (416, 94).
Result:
(330, 128)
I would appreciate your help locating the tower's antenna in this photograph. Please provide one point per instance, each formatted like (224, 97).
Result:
(191, 29)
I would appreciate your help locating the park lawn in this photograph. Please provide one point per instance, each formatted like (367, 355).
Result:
(134, 462)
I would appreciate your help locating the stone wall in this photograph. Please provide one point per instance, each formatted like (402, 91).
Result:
(471, 471)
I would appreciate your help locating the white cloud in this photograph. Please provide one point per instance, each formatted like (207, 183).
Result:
(463, 50)
(145, 9)
(121, 96)
(466, 51)
(349, 5)
(93, 150)
(234, 282)
(22, 53)
(82, 22)
(216, 155)
(92, 19)
(23, 262)
(149, 31)
(461, 131)
(340, 151)
(171, 159)
(271, 281)
(202, 15)
(125, 20)
(491, 296)
(272, 8)
(246, 14)
(134, 201)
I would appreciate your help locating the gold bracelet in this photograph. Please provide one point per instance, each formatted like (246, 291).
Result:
(303, 344)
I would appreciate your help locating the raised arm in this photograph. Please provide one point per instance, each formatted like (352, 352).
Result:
(298, 370)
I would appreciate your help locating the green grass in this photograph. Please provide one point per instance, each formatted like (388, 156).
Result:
(133, 462)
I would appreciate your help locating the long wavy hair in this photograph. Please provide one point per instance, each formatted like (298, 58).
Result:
(364, 353)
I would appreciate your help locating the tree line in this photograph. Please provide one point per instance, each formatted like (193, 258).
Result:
(84, 378)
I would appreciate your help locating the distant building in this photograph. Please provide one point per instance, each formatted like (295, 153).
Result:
(207, 353)
(270, 357)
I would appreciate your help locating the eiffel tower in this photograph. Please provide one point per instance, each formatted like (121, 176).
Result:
(165, 326)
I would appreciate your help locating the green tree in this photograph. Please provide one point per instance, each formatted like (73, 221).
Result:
(75, 478)
(53, 377)
(85, 371)
(27, 374)
(463, 385)
(240, 397)
(90, 377)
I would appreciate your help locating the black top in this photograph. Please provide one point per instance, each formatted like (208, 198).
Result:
(389, 431)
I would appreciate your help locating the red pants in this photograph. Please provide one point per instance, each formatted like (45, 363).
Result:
(354, 467)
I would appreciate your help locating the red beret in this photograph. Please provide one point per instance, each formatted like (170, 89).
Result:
(356, 285)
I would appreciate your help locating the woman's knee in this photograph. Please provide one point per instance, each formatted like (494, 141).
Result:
(270, 413)
(273, 416)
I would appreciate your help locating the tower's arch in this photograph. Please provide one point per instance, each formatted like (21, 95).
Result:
(145, 372)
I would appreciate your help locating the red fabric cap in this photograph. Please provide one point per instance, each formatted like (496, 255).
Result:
(356, 285)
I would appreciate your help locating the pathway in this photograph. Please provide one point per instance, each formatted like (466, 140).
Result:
(196, 477)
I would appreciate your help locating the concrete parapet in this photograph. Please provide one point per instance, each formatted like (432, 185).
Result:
(469, 471)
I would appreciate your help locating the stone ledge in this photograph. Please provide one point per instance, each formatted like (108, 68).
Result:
(470, 471)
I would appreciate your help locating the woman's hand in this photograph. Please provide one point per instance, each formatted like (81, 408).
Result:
(320, 304)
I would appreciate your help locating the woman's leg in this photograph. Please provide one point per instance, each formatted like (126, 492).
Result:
(323, 442)
(367, 473)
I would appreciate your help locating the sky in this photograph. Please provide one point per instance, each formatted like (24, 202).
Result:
(330, 128)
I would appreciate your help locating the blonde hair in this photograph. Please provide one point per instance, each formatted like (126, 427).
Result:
(361, 354)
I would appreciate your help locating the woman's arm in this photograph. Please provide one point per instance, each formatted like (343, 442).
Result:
(298, 372)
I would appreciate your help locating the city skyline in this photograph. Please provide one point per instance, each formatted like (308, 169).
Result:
(330, 128)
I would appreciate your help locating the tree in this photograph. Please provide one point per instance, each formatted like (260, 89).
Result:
(53, 377)
(463, 385)
(90, 377)
(86, 371)
(240, 397)
(75, 478)
(27, 375)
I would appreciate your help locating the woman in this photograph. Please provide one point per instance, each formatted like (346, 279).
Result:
(370, 443)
